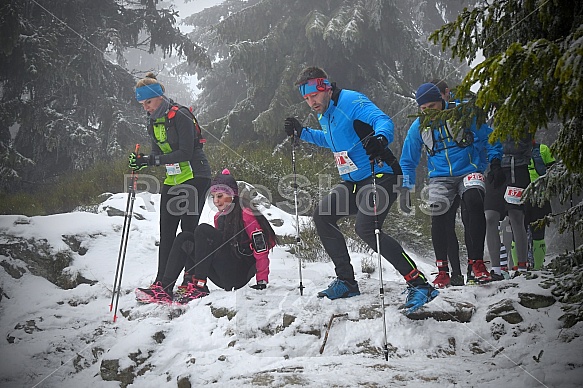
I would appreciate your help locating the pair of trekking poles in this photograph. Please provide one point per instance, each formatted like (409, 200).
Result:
(128, 215)
(128, 220)
(364, 132)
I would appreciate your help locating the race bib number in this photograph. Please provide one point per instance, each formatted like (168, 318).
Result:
(173, 169)
(475, 179)
(344, 164)
(513, 195)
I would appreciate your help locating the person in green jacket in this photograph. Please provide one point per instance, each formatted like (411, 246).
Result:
(177, 146)
(541, 160)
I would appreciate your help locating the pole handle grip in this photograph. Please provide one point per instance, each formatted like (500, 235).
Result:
(134, 174)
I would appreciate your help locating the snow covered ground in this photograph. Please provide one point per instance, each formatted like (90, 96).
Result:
(53, 337)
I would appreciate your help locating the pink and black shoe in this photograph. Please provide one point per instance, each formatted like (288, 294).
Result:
(153, 294)
(193, 290)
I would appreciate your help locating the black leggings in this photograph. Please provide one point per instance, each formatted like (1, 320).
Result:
(444, 238)
(203, 256)
(474, 228)
(179, 204)
(474, 223)
(349, 198)
(182, 248)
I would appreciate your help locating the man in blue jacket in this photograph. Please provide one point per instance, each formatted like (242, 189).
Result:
(454, 169)
(358, 133)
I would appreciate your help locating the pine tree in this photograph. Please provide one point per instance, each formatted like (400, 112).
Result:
(532, 75)
(65, 94)
(376, 47)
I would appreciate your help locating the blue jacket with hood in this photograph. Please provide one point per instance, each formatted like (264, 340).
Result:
(447, 159)
(338, 133)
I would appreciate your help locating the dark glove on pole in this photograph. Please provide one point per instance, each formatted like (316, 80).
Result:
(376, 147)
(496, 176)
(292, 127)
(138, 162)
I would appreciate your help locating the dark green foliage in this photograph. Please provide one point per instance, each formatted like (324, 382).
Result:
(63, 94)
(567, 286)
(79, 188)
(376, 47)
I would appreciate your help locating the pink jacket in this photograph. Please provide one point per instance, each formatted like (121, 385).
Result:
(261, 259)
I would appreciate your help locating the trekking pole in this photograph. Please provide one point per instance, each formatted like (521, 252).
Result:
(294, 142)
(377, 233)
(124, 240)
(365, 132)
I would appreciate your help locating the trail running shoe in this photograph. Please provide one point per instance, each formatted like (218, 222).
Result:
(153, 294)
(457, 280)
(495, 277)
(480, 271)
(190, 292)
(340, 289)
(442, 280)
(418, 296)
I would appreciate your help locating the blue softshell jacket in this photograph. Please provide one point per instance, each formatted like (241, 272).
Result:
(338, 133)
(451, 160)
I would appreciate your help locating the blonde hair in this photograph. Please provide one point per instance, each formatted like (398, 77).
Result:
(150, 79)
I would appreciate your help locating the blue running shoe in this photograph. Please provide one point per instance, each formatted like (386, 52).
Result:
(417, 296)
(340, 289)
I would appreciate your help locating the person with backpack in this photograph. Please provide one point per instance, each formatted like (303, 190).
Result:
(541, 160)
(358, 133)
(229, 254)
(454, 168)
(177, 146)
(443, 278)
(507, 199)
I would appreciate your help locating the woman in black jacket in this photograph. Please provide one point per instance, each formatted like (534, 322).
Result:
(176, 145)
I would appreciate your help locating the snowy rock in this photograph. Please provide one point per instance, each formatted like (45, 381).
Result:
(111, 370)
(114, 212)
(505, 310)
(451, 311)
(535, 301)
(40, 259)
(75, 243)
(184, 382)
(12, 269)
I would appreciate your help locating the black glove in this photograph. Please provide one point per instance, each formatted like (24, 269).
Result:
(261, 285)
(138, 162)
(496, 176)
(376, 148)
(292, 127)
(405, 200)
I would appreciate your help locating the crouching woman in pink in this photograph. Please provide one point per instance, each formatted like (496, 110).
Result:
(229, 254)
(233, 251)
